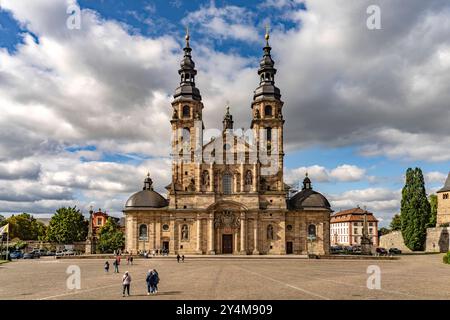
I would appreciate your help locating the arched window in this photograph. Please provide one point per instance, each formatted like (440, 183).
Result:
(269, 232)
(186, 137)
(268, 111)
(227, 183)
(143, 232)
(186, 111)
(312, 231)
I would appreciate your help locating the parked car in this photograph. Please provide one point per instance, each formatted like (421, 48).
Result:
(68, 252)
(16, 255)
(356, 249)
(336, 249)
(50, 253)
(29, 255)
(381, 251)
(395, 251)
(36, 254)
(59, 253)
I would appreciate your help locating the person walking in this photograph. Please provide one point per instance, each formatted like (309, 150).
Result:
(182, 258)
(153, 279)
(126, 282)
(148, 281)
(131, 259)
(116, 266)
(106, 266)
(178, 258)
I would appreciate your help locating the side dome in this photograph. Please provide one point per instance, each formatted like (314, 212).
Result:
(147, 198)
(308, 199)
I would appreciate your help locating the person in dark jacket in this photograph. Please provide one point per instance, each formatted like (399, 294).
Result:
(152, 280)
(116, 266)
(178, 258)
(106, 266)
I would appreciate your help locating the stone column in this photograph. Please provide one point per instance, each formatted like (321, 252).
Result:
(211, 178)
(236, 242)
(242, 178)
(255, 178)
(255, 235)
(158, 233)
(199, 239)
(211, 234)
(243, 234)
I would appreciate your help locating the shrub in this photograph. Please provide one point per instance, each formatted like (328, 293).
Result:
(446, 258)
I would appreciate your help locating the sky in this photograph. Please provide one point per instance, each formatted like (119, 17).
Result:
(84, 112)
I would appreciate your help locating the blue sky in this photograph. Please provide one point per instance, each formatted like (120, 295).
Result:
(93, 104)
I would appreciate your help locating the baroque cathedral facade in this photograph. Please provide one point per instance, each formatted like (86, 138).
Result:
(227, 195)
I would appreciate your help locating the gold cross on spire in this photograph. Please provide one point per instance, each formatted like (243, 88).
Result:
(267, 36)
(187, 37)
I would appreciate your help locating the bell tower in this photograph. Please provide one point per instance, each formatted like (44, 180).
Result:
(267, 124)
(187, 127)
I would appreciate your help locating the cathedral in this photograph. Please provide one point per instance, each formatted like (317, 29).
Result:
(227, 194)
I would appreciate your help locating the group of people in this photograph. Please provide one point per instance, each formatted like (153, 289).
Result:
(180, 257)
(152, 277)
(152, 280)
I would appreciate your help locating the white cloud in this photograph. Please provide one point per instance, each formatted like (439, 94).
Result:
(225, 22)
(435, 177)
(348, 173)
(342, 173)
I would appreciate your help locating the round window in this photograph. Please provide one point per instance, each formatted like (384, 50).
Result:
(289, 227)
(165, 227)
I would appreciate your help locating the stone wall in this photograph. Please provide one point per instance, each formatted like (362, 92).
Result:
(437, 239)
(393, 240)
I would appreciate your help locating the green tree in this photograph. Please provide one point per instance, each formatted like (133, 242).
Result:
(2, 221)
(433, 211)
(415, 210)
(110, 237)
(25, 227)
(67, 225)
(396, 223)
(383, 231)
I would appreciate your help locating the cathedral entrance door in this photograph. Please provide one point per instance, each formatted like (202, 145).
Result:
(227, 243)
(289, 248)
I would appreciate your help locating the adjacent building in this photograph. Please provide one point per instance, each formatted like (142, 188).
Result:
(346, 227)
(443, 211)
(227, 195)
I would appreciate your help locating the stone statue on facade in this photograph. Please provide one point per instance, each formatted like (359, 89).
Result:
(185, 232)
(205, 178)
(248, 178)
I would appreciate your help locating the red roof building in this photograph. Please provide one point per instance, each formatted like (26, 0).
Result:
(346, 227)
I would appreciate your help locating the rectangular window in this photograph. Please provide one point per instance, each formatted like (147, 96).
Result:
(445, 196)
(355, 231)
(99, 221)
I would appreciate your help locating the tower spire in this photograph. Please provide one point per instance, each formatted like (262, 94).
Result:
(187, 74)
(267, 73)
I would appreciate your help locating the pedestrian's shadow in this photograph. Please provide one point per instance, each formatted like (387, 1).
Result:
(166, 293)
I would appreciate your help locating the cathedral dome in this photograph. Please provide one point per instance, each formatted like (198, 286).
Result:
(308, 199)
(147, 198)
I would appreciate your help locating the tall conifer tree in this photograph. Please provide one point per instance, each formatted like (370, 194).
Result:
(415, 210)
